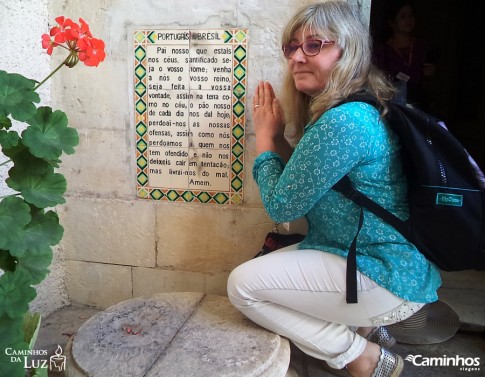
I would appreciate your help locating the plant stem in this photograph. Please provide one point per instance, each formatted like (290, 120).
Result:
(5, 162)
(6, 196)
(51, 74)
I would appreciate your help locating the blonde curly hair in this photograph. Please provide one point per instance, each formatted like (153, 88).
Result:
(353, 73)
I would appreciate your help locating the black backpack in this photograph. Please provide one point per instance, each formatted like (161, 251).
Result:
(446, 195)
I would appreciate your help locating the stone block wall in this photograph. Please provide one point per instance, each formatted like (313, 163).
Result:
(117, 246)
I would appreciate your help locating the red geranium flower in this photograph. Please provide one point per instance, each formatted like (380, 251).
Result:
(85, 28)
(66, 31)
(91, 51)
(77, 39)
(48, 43)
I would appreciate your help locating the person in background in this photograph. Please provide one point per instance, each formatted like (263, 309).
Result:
(299, 292)
(407, 59)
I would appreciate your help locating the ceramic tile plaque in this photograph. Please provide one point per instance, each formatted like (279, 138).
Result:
(190, 102)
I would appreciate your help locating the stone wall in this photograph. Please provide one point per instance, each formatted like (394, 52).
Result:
(117, 246)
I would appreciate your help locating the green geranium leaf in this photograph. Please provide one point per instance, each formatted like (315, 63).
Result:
(41, 233)
(26, 162)
(17, 96)
(5, 122)
(15, 151)
(15, 293)
(40, 372)
(41, 190)
(7, 261)
(10, 369)
(11, 336)
(31, 328)
(11, 332)
(9, 139)
(36, 264)
(48, 136)
(55, 163)
(14, 216)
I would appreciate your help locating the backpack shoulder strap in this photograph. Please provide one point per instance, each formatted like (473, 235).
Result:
(345, 187)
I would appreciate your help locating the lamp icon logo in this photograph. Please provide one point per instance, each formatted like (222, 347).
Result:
(57, 362)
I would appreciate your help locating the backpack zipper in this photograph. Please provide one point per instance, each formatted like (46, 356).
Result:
(444, 178)
(439, 163)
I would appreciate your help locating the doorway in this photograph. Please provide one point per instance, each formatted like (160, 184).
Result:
(457, 92)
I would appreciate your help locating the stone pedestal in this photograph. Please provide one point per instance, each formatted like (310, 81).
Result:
(175, 335)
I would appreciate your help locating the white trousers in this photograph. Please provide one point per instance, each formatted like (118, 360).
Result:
(300, 294)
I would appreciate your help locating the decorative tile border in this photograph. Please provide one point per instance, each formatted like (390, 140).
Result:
(182, 69)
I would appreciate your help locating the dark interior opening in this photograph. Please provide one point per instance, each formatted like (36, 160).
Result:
(456, 29)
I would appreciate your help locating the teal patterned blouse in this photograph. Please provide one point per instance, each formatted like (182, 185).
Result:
(349, 139)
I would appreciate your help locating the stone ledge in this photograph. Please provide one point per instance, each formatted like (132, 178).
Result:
(181, 334)
(464, 292)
